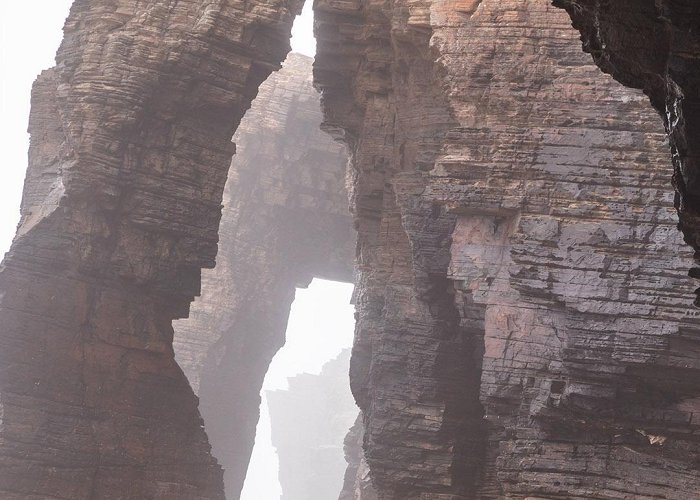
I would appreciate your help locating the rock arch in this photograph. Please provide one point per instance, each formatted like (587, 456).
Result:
(523, 328)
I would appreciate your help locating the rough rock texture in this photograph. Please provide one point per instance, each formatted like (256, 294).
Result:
(524, 324)
(654, 45)
(524, 329)
(565, 237)
(357, 484)
(381, 94)
(309, 423)
(285, 221)
(130, 147)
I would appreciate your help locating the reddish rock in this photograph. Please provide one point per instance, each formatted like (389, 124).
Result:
(524, 328)
(524, 322)
(130, 147)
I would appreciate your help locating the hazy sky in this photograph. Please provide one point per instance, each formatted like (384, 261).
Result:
(322, 321)
(303, 32)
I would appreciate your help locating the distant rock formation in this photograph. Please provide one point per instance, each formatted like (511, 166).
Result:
(285, 221)
(309, 423)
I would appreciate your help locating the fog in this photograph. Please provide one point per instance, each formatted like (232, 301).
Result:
(321, 324)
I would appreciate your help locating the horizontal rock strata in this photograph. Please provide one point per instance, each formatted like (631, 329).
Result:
(524, 328)
(566, 235)
(412, 371)
(130, 147)
(655, 46)
(524, 323)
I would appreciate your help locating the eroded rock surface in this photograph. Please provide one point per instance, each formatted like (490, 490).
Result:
(382, 95)
(654, 45)
(357, 484)
(130, 147)
(565, 233)
(524, 322)
(285, 221)
(524, 329)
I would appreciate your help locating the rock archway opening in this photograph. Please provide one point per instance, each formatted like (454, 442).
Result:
(285, 222)
(522, 326)
(307, 408)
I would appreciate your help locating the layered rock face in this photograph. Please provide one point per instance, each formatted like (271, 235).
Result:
(357, 483)
(655, 46)
(130, 147)
(285, 221)
(524, 322)
(309, 423)
(565, 233)
(381, 94)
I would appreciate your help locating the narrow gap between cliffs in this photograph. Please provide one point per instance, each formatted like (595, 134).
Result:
(306, 404)
(306, 427)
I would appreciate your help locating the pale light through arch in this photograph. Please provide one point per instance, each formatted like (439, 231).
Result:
(303, 40)
(321, 325)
